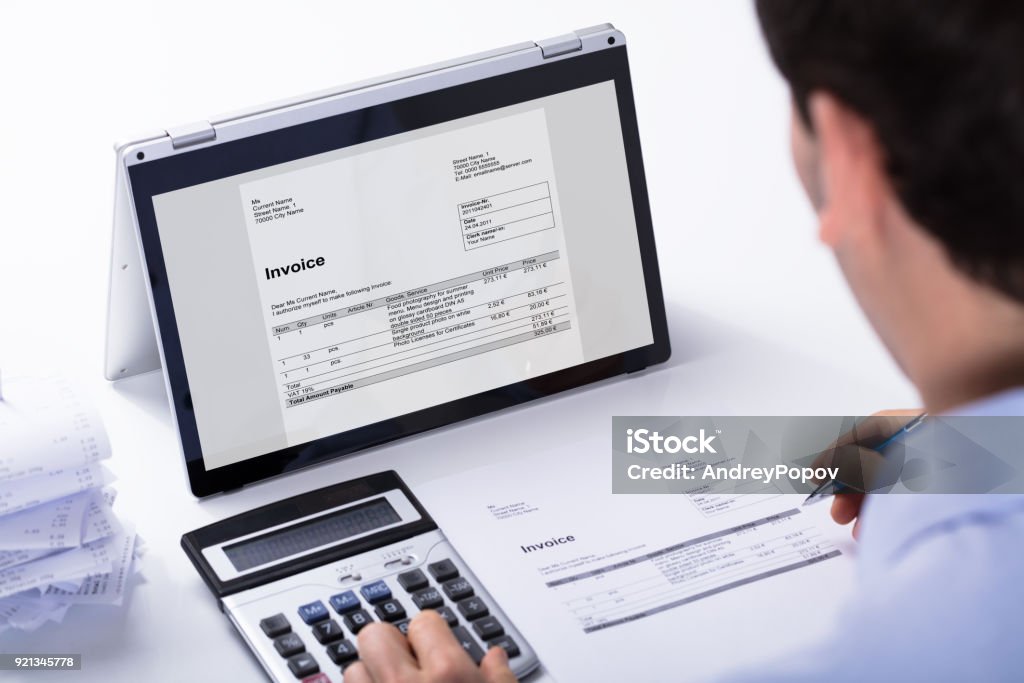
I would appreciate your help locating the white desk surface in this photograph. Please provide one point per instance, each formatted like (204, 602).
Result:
(760, 319)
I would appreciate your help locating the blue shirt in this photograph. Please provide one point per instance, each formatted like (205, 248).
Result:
(941, 594)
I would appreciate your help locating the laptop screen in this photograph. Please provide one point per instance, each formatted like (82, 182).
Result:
(333, 283)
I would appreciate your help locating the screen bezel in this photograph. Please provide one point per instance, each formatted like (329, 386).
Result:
(234, 157)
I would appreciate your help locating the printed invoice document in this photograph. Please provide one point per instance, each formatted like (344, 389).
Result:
(644, 587)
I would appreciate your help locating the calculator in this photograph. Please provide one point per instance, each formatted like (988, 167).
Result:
(301, 577)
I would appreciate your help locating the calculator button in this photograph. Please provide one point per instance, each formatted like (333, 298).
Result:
(457, 589)
(473, 608)
(488, 628)
(448, 615)
(390, 610)
(327, 631)
(403, 626)
(341, 651)
(428, 598)
(275, 626)
(313, 612)
(289, 644)
(375, 592)
(443, 570)
(357, 620)
(344, 602)
(506, 643)
(468, 643)
(303, 665)
(412, 581)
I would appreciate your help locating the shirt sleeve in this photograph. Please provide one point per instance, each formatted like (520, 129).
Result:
(946, 606)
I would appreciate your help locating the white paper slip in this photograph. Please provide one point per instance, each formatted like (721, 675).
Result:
(100, 521)
(584, 572)
(105, 588)
(46, 425)
(57, 524)
(12, 558)
(93, 558)
(29, 614)
(22, 494)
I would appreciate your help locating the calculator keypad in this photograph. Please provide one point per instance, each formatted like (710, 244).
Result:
(355, 614)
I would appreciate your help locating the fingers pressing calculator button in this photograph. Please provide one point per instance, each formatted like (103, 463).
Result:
(303, 665)
(317, 678)
(275, 625)
(457, 589)
(357, 620)
(403, 626)
(448, 615)
(289, 644)
(428, 598)
(506, 643)
(473, 608)
(313, 612)
(327, 631)
(375, 592)
(341, 651)
(468, 643)
(390, 610)
(488, 628)
(412, 581)
(443, 570)
(344, 602)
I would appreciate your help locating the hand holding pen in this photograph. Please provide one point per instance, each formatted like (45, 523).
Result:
(859, 455)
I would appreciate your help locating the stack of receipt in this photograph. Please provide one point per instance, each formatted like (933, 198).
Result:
(60, 544)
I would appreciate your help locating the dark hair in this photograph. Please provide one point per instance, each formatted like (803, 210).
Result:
(942, 84)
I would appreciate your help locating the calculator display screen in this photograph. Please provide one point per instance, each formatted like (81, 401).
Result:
(314, 533)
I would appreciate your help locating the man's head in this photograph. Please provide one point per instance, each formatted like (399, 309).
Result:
(908, 134)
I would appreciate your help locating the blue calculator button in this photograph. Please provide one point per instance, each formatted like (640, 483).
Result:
(375, 592)
(313, 612)
(344, 602)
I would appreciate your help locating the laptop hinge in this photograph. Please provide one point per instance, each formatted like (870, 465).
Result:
(191, 134)
(560, 45)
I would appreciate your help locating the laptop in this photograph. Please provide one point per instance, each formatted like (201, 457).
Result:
(329, 273)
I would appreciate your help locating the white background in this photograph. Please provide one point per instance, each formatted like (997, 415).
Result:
(761, 321)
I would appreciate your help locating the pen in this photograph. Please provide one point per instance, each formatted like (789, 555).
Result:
(819, 494)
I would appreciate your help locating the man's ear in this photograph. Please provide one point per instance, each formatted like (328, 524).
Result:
(853, 181)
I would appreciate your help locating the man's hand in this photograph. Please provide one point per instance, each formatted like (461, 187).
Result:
(430, 654)
(860, 466)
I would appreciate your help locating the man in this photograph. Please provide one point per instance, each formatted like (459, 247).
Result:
(908, 136)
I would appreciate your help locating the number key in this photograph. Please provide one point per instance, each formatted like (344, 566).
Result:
(390, 610)
(341, 651)
(327, 631)
(357, 620)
